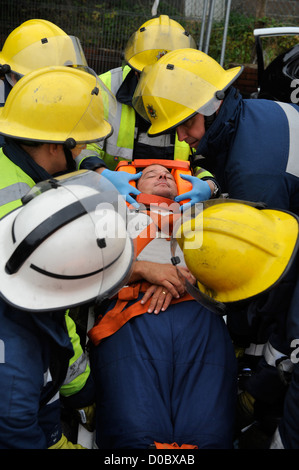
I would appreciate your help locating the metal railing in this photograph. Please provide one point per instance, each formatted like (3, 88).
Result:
(104, 27)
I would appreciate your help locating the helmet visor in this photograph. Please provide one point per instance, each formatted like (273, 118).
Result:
(200, 98)
(56, 50)
(186, 237)
(90, 127)
(235, 249)
(58, 104)
(150, 43)
(108, 213)
(86, 214)
(177, 258)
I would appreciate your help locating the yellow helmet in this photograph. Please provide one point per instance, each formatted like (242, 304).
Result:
(180, 84)
(57, 104)
(154, 39)
(235, 250)
(38, 43)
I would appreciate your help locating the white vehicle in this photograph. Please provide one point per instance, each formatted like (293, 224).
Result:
(278, 81)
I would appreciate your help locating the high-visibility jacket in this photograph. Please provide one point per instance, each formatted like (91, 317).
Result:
(120, 145)
(14, 184)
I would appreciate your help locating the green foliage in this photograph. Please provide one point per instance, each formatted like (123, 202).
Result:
(104, 26)
(240, 44)
(111, 26)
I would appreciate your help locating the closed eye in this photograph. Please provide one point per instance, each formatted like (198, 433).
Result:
(153, 174)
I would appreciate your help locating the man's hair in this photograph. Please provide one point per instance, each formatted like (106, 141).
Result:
(29, 143)
(137, 181)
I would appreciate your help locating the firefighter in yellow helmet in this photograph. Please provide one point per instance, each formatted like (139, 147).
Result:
(151, 41)
(241, 253)
(30, 46)
(250, 145)
(41, 123)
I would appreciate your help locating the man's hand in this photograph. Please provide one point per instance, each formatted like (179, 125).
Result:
(160, 298)
(164, 275)
(200, 191)
(121, 180)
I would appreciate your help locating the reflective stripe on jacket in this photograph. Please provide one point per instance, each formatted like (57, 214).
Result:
(14, 184)
(79, 370)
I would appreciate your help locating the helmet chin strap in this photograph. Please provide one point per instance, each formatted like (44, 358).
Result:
(209, 120)
(70, 162)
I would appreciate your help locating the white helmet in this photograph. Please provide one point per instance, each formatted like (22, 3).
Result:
(67, 245)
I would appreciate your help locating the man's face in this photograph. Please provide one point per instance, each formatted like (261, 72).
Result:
(192, 130)
(157, 180)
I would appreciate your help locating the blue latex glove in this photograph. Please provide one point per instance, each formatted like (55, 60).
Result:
(200, 191)
(121, 179)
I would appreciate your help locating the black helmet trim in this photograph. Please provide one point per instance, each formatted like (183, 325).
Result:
(36, 237)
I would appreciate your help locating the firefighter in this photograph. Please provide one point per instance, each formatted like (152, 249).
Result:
(59, 249)
(41, 124)
(30, 46)
(250, 145)
(129, 141)
(225, 280)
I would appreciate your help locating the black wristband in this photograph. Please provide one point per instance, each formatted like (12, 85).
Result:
(92, 163)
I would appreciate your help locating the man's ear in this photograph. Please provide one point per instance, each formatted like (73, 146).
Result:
(54, 149)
